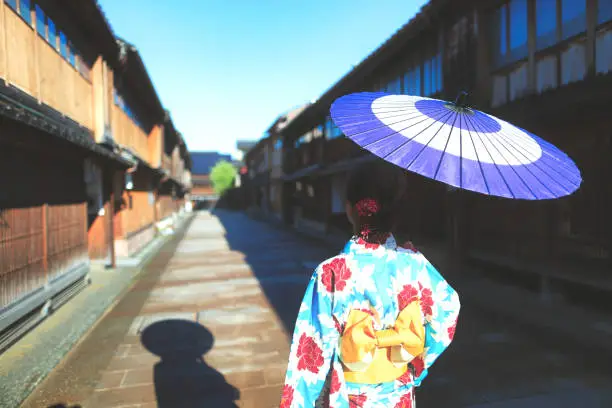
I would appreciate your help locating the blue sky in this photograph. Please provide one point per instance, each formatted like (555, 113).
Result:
(227, 68)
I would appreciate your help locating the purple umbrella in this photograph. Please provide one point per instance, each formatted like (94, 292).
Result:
(457, 145)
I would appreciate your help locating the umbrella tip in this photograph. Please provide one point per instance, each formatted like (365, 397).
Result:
(461, 99)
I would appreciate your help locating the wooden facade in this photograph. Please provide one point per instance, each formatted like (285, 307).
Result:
(545, 66)
(82, 165)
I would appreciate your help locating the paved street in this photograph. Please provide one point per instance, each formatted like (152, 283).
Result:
(230, 289)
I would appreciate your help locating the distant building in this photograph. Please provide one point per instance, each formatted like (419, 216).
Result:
(202, 164)
(264, 168)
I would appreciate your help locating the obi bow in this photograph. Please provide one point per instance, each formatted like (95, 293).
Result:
(375, 356)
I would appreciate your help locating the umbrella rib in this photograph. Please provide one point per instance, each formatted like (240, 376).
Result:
(396, 132)
(538, 165)
(505, 143)
(491, 156)
(445, 146)
(369, 114)
(513, 169)
(484, 178)
(427, 144)
(387, 126)
(412, 138)
(507, 138)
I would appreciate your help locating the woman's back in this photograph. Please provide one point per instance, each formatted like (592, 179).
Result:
(360, 316)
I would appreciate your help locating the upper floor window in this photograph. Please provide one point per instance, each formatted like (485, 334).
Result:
(41, 27)
(25, 10)
(12, 3)
(510, 32)
(278, 144)
(121, 104)
(331, 130)
(573, 20)
(432, 75)
(51, 33)
(63, 45)
(395, 86)
(71, 55)
(546, 23)
(604, 11)
(412, 81)
(573, 17)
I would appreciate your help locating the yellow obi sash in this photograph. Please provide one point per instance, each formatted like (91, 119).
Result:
(372, 357)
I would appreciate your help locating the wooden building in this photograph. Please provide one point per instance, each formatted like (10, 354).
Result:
(78, 164)
(264, 173)
(544, 65)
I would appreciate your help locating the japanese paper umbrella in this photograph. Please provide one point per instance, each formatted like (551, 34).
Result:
(457, 145)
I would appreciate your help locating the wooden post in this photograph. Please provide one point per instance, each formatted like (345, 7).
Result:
(531, 45)
(591, 22)
(45, 243)
(111, 222)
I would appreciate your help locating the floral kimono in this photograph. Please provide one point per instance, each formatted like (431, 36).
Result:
(373, 320)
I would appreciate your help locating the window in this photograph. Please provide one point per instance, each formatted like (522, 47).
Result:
(25, 10)
(12, 3)
(395, 86)
(63, 45)
(604, 11)
(331, 130)
(510, 33)
(72, 54)
(518, 29)
(573, 17)
(427, 78)
(40, 22)
(432, 75)
(51, 33)
(546, 23)
(412, 81)
(278, 144)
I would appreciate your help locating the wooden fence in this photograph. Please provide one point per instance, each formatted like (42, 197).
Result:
(39, 244)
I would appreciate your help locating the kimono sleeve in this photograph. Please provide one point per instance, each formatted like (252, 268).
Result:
(314, 343)
(440, 306)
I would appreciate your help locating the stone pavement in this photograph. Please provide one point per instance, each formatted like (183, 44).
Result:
(207, 325)
(201, 298)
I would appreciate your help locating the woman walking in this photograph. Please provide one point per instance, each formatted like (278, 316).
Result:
(374, 318)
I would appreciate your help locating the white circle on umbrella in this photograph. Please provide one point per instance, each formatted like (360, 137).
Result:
(508, 146)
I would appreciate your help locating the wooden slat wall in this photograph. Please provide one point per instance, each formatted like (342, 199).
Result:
(20, 52)
(38, 69)
(67, 237)
(38, 244)
(141, 214)
(21, 253)
(126, 133)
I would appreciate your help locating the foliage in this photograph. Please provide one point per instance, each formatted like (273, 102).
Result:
(222, 176)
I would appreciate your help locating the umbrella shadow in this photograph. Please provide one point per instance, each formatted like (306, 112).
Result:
(182, 378)
(64, 406)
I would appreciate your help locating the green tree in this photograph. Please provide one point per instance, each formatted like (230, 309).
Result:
(222, 176)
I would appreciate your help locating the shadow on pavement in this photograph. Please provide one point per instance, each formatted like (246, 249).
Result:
(282, 261)
(182, 378)
(64, 406)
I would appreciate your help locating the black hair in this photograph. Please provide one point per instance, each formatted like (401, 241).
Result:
(386, 185)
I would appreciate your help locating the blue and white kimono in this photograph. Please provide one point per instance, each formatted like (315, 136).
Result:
(380, 281)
